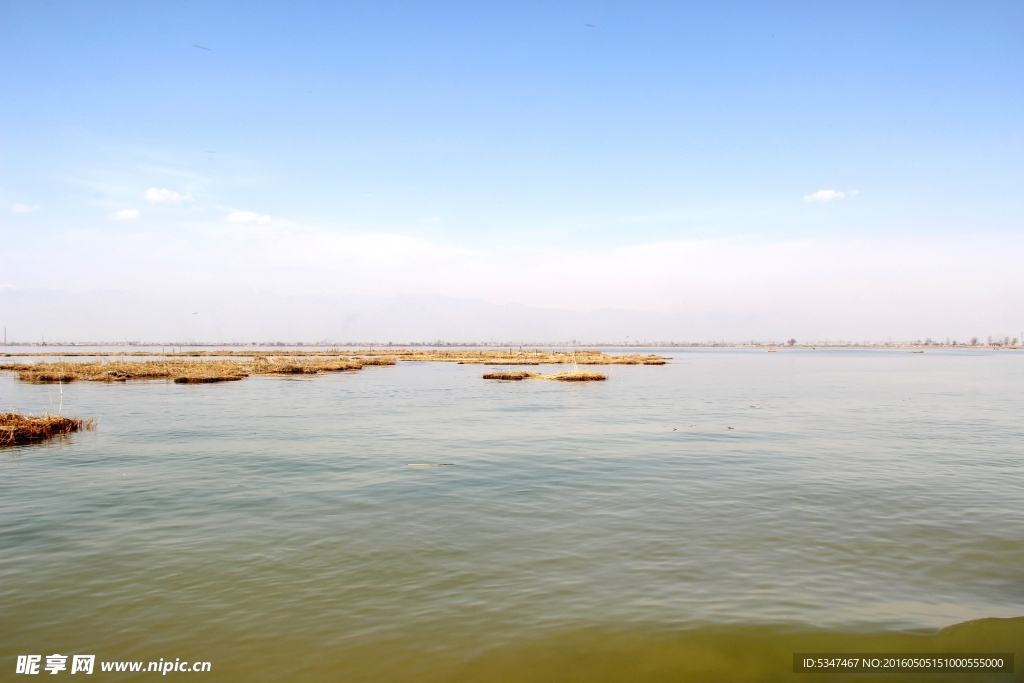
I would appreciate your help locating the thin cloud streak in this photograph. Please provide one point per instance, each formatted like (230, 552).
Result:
(823, 196)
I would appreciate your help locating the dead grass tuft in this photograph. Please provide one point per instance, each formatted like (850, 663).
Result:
(577, 376)
(16, 429)
(378, 360)
(514, 375)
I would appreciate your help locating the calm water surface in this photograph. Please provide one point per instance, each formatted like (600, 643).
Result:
(701, 520)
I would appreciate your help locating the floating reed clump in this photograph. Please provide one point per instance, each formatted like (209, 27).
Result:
(512, 375)
(190, 371)
(16, 429)
(577, 376)
(206, 380)
(568, 376)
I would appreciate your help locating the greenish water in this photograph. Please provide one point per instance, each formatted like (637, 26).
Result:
(863, 500)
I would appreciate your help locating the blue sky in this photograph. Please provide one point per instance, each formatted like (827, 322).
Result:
(490, 130)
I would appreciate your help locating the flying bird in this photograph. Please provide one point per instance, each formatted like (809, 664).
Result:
(590, 25)
(202, 47)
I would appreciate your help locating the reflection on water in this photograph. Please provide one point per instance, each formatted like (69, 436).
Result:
(274, 527)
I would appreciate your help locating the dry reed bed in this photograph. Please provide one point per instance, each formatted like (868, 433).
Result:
(523, 357)
(568, 376)
(16, 429)
(226, 353)
(366, 356)
(185, 371)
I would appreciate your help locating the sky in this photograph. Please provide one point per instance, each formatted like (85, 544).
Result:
(821, 169)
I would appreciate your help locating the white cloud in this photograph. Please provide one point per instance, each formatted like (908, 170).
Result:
(824, 196)
(433, 220)
(23, 208)
(161, 195)
(247, 217)
(125, 215)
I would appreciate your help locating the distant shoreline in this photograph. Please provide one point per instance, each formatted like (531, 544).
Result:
(986, 345)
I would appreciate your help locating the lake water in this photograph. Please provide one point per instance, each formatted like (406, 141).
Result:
(701, 520)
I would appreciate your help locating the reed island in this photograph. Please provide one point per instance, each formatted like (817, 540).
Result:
(570, 376)
(183, 370)
(17, 430)
(200, 367)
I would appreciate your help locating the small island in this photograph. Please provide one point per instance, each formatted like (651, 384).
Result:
(18, 430)
(569, 376)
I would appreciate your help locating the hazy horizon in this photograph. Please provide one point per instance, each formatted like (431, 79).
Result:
(241, 318)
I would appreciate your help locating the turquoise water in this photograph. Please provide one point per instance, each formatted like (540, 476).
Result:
(732, 501)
